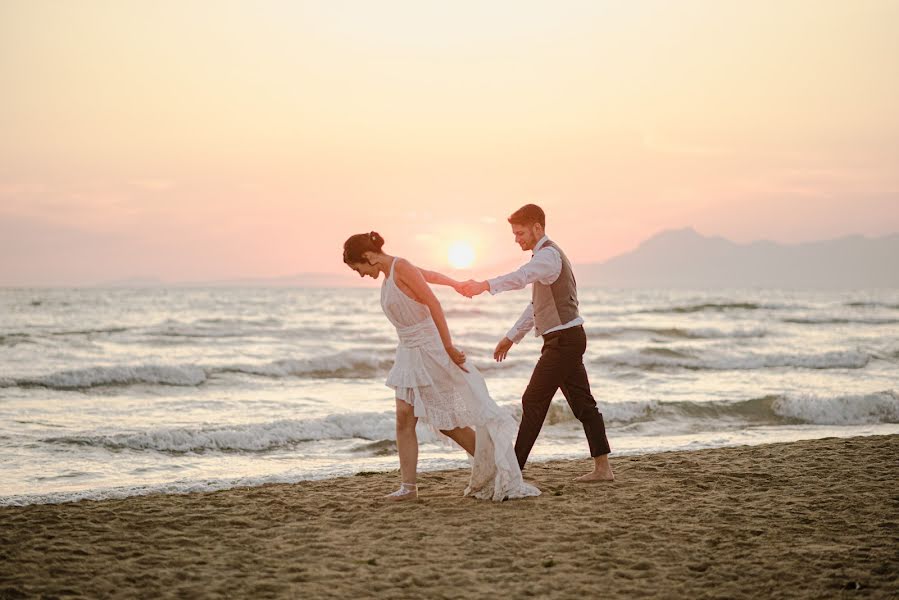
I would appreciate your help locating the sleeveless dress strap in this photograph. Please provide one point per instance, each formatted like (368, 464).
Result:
(392, 265)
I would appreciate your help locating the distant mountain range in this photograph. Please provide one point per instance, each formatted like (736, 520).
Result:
(683, 258)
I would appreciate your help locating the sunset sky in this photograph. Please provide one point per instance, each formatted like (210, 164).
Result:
(199, 140)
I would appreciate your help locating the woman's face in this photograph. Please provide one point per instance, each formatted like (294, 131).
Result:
(364, 269)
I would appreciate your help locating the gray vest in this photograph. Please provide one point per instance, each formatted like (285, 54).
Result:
(555, 304)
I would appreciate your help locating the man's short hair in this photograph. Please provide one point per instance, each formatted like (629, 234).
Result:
(528, 215)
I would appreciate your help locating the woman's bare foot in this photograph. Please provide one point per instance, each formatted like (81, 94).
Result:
(407, 491)
(602, 471)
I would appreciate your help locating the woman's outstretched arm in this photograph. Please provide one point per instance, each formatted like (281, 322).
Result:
(439, 278)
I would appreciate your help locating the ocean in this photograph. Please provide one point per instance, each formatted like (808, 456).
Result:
(108, 393)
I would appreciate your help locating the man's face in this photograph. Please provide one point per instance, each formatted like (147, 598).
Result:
(527, 236)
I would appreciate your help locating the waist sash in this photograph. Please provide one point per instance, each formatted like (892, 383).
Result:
(418, 335)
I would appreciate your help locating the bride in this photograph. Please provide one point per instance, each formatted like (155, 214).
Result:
(433, 382)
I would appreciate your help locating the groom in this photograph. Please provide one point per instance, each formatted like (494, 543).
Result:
(553, 312)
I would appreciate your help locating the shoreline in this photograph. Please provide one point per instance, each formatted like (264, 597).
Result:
(209, 485)
(809, 519)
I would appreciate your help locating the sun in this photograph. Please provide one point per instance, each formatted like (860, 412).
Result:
(461, 255)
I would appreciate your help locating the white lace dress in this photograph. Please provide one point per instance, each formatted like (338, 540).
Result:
(446, 397)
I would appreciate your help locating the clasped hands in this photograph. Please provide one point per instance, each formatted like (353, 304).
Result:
(472, 288)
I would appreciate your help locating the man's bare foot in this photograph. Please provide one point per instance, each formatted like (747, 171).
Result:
(596, 477)
(602, 471)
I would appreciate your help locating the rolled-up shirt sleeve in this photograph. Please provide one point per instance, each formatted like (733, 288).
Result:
(523, 325)
(545, 265)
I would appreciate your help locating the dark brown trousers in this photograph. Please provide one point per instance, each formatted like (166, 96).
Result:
(561, 365)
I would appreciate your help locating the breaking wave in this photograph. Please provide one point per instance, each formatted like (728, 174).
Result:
(841, 321)
(775, 409)
(660, 358)
(872, 305)
(255, 437)
(702, 333)
(710, 306)
(378, 428)
(343, 365)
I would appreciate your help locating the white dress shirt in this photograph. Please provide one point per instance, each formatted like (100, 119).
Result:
(545, 267)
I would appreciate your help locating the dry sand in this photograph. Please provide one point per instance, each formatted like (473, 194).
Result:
(811, 519)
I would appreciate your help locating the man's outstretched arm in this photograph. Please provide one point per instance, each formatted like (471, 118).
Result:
(545, 264)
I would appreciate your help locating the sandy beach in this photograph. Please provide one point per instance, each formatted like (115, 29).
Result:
(808, 519)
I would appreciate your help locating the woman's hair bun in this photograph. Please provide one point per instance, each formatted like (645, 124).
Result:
(359, 244)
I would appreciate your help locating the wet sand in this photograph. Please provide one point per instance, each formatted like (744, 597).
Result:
(809, 519)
